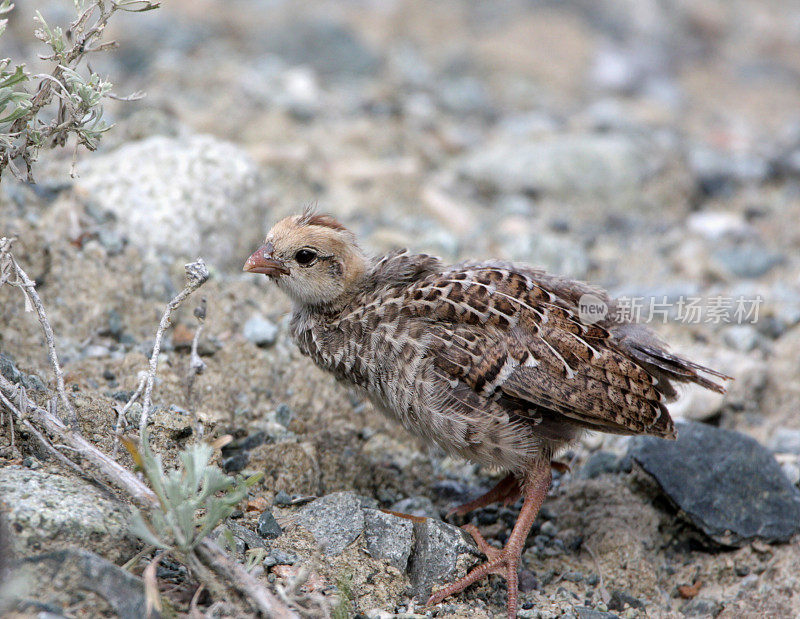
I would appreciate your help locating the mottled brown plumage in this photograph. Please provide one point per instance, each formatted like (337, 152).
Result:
(489, 360)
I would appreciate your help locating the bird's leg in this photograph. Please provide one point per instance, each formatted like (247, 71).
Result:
(506, 562)
(507, 490)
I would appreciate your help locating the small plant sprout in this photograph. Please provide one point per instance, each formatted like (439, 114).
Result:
(192, 500)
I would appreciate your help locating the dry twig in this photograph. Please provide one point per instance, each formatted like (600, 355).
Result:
(124, 411)
(31, 296)
(243, 582)
(196, 276)
(196, 366)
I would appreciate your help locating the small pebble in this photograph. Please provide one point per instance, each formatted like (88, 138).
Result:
(282, 499)
(260, 331)
(619, 599)
(283, 415)
(741, 570)
(527, 581)
(31, 463)
(267, 526)
(279, 557)
(122, 396)
(420, 506)
(134, 414)
(235, 463)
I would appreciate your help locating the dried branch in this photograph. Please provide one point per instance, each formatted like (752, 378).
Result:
(196, 366)
(124, 411)
(48, 446)
(196, 276)
(243, 582)
(31, 296)
(107, 468)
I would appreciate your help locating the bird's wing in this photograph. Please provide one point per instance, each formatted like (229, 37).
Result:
(515, 334)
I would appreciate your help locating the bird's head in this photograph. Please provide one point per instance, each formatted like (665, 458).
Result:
(313, 258)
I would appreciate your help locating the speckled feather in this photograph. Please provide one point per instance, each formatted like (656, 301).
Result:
(490, 360)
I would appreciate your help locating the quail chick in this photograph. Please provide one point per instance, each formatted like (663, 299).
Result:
(489, 360)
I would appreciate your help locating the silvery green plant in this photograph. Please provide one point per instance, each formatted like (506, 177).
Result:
(193, 499)
(46, 110)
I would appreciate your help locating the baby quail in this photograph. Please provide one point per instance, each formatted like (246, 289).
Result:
(489, 360)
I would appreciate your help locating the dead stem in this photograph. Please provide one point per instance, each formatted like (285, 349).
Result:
(196, 276)
(31, 296)
(196, 367)
(121, 413)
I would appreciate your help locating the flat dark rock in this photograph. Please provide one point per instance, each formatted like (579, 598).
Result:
(727, 484)
(72, 569)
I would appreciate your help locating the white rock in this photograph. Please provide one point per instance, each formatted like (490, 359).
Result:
(696, 403)
(717, 224)
(261, 331)
(180, 198)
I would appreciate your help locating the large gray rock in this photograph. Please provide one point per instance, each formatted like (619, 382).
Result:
(429, 552)
(388, 537)
(725, 483)
(179, 198)
(561, 165)
(335, 520)
(46, 511)
(441, 552)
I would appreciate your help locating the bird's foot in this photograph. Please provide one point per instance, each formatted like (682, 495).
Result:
(485, 547)
(503, 562)
(507, 491)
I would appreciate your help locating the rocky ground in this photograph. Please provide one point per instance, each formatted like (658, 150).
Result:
(649, 147)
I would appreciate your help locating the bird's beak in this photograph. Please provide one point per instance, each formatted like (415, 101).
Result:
(262, 261)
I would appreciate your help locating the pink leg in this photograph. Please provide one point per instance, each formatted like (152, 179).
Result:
(506, 562)
(507, 490)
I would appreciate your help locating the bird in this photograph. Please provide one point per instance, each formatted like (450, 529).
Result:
(492, 361)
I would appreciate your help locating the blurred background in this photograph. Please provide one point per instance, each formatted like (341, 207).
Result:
(648, 146)
(574, 135)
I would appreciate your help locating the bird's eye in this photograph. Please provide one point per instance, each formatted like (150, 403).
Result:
(305, 257)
